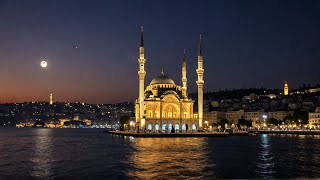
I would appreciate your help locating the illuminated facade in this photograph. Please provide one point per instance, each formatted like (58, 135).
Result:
(286, 88)
(314, 118)
(164, 106)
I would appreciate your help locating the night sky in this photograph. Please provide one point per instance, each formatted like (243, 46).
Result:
(92, 46)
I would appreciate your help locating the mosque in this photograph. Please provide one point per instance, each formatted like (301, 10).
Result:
(164, 106)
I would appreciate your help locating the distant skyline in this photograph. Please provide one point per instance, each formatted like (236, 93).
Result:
(92, 46)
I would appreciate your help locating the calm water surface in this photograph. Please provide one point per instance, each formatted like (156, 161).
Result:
(90, 153)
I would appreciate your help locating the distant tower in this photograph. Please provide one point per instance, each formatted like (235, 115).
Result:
(51, 99)
(200, 84)
(142, 74)
(286, 88)
(184, 75)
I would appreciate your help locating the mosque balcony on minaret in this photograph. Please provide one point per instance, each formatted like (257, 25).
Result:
(200, 71)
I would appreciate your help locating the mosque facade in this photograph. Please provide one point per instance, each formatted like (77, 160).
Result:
(164, 106)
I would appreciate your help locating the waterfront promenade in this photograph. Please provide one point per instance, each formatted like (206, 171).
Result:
(184, 134)
(298, 132)
(214, 134)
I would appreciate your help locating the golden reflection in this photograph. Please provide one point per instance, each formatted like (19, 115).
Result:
(42, 155)
(266, 162)
(167, 157)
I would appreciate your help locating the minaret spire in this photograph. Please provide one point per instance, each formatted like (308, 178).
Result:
(140, 119)
(162, 71)
(200, 84)
(141, 40)
(184, 75)
(200, 49)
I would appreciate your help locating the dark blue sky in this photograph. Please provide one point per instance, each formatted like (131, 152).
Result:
(92, 46)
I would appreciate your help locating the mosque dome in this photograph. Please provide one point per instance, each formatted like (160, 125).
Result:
(162, 79)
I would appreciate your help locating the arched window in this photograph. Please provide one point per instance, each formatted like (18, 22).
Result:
(156, 127)
(170, 127)
(176, 127)
(184, 128)
(194, 127)
(164, 126)
(150, 126)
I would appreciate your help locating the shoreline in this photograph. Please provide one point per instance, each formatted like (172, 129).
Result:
(297, 132)
(196, 134)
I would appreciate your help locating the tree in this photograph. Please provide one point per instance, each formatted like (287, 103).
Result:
(249, 123)
(124, 120)
(223, 122)
(273, 121)
(288, 120)
(300, 117)
(242, 122)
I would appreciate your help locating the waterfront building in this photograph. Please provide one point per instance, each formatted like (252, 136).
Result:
(258, 117)
(286, 88)
(233, 116)
(314, 90)
(165, 106)
(279, 115)
(314, 118)
(88, 122)
(62, 121)
(255, 116)
(210, 118)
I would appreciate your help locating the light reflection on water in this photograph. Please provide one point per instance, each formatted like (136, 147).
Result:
(171, 157)
(91, 154)
(266, 163)
(42, 154)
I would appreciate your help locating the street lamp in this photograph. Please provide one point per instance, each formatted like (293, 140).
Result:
(264, 120)
(131, 124)
(206, 123)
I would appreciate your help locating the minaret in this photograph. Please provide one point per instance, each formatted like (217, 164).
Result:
(286, 88)
(51, 99)
(142, 74)
(200, 83)
(184, 75)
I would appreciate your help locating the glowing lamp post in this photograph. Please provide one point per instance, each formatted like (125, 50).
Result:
(264, 120)
(131, 124)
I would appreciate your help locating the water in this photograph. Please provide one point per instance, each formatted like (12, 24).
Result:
(90, 153)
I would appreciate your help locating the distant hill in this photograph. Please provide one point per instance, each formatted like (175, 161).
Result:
(234, 93)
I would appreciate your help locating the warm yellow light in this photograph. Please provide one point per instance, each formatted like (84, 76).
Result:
(43, 64)
(286, 88)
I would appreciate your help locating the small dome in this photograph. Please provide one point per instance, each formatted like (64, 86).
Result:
(162, 79)
(147, 94)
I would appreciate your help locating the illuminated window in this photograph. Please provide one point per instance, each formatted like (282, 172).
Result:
(157, 127)
(164, 126)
